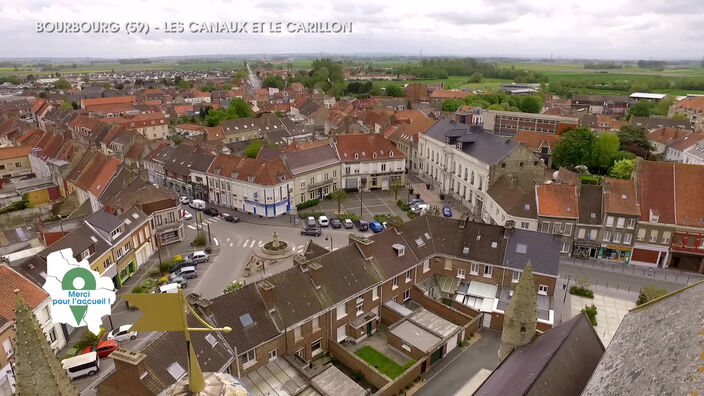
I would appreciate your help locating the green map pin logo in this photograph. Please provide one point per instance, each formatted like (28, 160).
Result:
(79, 311)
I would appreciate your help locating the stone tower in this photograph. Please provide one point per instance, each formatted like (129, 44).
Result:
(37, 370)
(521, 315)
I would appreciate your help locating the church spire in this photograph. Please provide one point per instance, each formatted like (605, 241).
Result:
(521, 315)
(37, 370)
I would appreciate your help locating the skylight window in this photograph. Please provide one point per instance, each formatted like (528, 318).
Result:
(427, 236)
(521, 248)
(420, 242)
(211, 340)
(246, 320)
(176, 370)
(494, 245)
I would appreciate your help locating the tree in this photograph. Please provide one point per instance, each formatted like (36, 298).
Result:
(663, 106)
(476, 77)
(176, 138)
(642, 108)
(252, 149)
(339, 195)
(634, 139)
(30, 77)
(622, 169)
(452, 104)
(650, 293)
(63, 84)
(531, 104)
(238, 108)
(274, 81)
(394, 90)
(575, 148)
(395, 187)
(606, 146)
(234, 286)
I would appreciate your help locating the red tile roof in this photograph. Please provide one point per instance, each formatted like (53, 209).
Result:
(11, 280)
(215, 133)
(110, 100)
(298, 146)
(535, 140)
(689, 193)
(694, 103)
(138, 120)
(687, 141)
(657, 191)
(104, 176)
(365, 146)
(241, 168)
(621, 197)
(667, 134)
(14, 152)
(556, 200)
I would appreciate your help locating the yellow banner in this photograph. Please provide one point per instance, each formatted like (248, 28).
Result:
(160, 311)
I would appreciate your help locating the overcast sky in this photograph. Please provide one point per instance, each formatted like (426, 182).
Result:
(598, 29)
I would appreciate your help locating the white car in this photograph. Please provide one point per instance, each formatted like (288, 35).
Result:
(186, 215)
(122, 333)
(323, 221)
(184, 199)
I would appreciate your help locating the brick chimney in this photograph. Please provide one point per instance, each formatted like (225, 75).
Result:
(128, 374)
(266, 289)
(201, 304)
(508, 228)
(315, 274)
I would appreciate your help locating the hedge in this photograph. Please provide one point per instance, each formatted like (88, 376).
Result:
(402, 204)
(580, 291)
(591, 313)
(17, 205)
(303, 215)
(307, 204)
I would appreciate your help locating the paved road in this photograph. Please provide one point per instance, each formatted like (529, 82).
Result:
(236, 243)
(448, 376)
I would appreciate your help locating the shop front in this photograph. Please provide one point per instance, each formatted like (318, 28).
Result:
(125, 272)
(621, 254)
(585, 250)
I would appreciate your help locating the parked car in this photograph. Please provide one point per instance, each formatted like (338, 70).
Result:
(415, 201)
(347, 223)
(323, 221)
(314, 231)
(183, 263)
(446, 211)
(122, 333)
(80, 365)
(335, 222)
(198, 256)
(212, 212)
(362, 225)
(310, 221)
(197, 204)
(172, 287)
(376, 226)
(103, 349)
(184, 199)
(230, 218)
(420, 208)
(186, 215)
(181, 281)
(185, 272)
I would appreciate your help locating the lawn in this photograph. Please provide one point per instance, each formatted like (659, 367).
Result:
(385, 365)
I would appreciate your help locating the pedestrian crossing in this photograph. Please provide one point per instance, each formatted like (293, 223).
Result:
(251, 243)
(206, 220)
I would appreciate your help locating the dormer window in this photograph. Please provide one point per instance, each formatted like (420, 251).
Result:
(250, 179)
(374, 155)
(356, 156)
(654, 216)
(391, 153)
(115, 233)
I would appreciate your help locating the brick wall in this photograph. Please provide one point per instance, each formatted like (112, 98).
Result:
(389, 317)
(408, 376)
(440, 309)
(356, 364)
(397, 343)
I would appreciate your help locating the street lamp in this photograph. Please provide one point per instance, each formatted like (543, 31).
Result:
(328, 237)
(566, 288)
(363, 183)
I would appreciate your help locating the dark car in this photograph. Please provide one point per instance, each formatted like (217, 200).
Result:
(183, 263)
(315, 231)
(230, 218)
(211, 212)
(362, 225)
(335, 222)
(446, 211)
(104, 348)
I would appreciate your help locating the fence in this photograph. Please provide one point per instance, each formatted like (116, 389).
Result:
(670, 275)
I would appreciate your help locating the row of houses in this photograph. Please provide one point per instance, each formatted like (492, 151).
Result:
(329, 300)
(277, 180)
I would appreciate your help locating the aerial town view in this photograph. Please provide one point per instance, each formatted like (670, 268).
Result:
(302, 198)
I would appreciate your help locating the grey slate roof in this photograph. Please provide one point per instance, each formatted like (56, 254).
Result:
(306, 160)
(590, 203)
(541, 248)
(558, 362)
(656, 350)
(227, 309)
(512, 198)
(653, 123)
(484, 146)
(104, 221)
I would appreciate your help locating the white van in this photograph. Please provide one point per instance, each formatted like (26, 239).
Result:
(85, 364)
(169, 288)
(198, 204)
